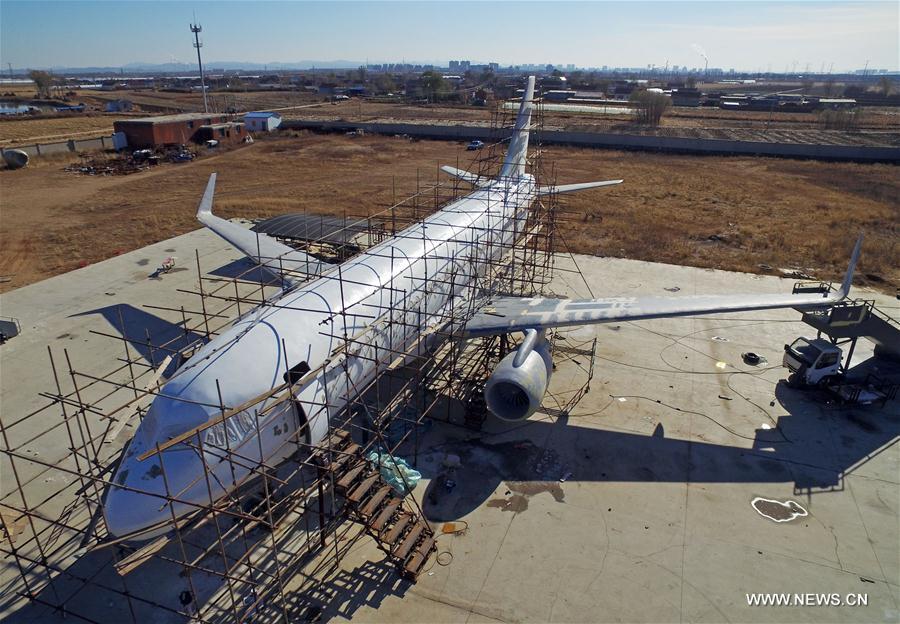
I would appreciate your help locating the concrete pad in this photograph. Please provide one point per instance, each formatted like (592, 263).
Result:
(633, 506)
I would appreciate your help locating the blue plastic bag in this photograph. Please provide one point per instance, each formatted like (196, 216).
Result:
(395, 471)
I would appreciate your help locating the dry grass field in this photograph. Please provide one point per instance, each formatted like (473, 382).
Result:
(763, 211)
(302, 105)
(25, 130)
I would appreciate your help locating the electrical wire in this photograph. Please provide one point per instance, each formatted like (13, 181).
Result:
(687, 411)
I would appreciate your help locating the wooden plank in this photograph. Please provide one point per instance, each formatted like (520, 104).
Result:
(334, 442)
(395, 533)
(363, 488)
(386, 514)
(373, 503)
(141, 555)
(410, 540)
(350, 476)
(347, 455)
(419, 557)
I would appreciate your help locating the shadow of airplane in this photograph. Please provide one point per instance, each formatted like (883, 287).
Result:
(811, 447)
(151, 336)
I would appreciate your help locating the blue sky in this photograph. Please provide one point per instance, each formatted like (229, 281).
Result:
(746, 35)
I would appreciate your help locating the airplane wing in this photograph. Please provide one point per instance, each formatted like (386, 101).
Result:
(292, 265)
(472, 178)
(571, 188)
(508, 314)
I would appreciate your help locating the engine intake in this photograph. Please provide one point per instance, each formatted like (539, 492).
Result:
(515, 389)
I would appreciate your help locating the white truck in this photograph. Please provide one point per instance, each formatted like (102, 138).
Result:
(817, 363)
(812, 362)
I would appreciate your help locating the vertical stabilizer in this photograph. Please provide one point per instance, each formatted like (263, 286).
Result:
(514, 163)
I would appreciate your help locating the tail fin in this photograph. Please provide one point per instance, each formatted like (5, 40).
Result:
(514, 163)
(848, 276)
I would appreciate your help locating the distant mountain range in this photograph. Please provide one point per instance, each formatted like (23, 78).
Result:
(207, 66)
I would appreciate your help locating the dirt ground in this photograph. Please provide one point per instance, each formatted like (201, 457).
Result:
(760, 211)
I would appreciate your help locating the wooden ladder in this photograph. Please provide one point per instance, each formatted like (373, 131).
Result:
(400, 531)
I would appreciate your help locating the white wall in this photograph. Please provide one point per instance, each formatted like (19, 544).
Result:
(262, 125)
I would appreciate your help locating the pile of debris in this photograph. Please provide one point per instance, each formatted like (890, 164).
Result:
(139, 160)
(108, 166)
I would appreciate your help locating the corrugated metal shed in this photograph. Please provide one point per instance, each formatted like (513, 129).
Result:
(316, 228)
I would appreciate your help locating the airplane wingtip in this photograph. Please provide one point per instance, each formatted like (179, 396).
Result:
(205, 207)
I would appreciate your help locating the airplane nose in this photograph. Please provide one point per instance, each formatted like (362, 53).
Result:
(129, 512)
(137, 505)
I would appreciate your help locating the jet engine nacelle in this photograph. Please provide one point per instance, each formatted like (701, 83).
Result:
(515, 389)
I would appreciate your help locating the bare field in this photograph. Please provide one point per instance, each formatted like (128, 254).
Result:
(680, 117)
(761, 211)
(28, 130)
(302, 105)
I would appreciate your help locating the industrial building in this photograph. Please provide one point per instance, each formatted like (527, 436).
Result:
(165, 130)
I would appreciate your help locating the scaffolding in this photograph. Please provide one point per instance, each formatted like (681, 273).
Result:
(254, 553)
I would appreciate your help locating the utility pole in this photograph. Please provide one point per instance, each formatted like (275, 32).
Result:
(197, 29)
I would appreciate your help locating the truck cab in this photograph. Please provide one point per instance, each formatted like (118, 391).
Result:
(812, 361)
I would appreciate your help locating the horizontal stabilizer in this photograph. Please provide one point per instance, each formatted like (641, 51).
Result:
(471, 178)
(293, 266)
(572, 188)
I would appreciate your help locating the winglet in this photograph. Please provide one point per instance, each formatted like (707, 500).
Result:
(205, 208)
(848, 276)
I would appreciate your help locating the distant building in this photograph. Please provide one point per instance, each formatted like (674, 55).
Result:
(165, 130)
(262, 121)
(118, 106)
(620, 90)
(683, 96)
(554, 82)
(837, 103)
(559, 95)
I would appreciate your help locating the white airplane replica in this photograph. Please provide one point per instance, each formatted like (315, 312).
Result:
(386, 298)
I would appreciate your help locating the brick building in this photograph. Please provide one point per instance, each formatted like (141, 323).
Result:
(165, 130)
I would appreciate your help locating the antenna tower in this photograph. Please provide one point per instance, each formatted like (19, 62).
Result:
(197, 29)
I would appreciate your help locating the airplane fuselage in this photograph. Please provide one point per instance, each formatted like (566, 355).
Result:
(372, 307)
